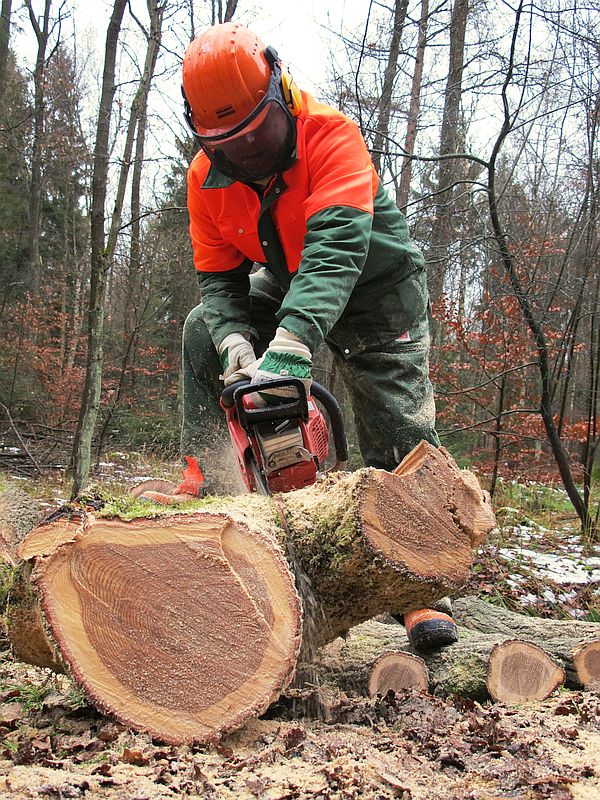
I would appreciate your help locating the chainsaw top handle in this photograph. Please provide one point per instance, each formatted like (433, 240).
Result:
(292, 408)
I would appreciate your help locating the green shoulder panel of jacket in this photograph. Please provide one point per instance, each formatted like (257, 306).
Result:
(350, 257)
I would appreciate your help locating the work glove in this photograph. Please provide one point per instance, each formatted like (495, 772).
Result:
(286, 356)
(236, 352)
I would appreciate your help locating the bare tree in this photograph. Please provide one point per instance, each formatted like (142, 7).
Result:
(4, 41)
(523, 294)
(136, 131)
(385, 101)
(412, 122)
(100, 261)
(42, 29)
(450, 139)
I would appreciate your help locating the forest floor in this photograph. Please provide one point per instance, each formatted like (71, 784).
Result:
(412, 745)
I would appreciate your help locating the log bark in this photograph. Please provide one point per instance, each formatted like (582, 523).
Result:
(185, 624)
(19, 513)
(575, 644)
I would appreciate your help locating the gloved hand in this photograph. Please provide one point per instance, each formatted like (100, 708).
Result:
(235, 352)
(286, 356)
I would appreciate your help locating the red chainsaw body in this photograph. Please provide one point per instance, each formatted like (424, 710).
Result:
(287, 454)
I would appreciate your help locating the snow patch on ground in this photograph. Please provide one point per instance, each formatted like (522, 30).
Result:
(562, 567)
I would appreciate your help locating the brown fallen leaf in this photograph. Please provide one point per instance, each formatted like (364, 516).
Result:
(135, 757)
(10, 714)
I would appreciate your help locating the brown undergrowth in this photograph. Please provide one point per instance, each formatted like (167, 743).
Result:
(407, 745)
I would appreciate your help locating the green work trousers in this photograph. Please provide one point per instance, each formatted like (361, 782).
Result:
(388, 384)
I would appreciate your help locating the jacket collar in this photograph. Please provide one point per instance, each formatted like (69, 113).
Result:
(216, 180)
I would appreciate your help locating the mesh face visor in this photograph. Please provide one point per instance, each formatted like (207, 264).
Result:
(258, 147)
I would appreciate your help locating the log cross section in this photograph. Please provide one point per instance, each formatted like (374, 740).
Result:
(184, 624)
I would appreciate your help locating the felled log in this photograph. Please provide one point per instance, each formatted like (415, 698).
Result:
(19, 513)
(575, 644)
(185, 624)
(371, 660)
(478, 666)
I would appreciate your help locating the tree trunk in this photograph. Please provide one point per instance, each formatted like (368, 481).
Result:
(185, 624)
(42, 34)
(380, 143)
(136, 130)
(442, 234)
(4, 42)
(100, 263)
(413, 110)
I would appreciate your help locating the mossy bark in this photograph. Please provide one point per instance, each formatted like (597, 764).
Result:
(460, 670)
(217, 594)
(457, 670)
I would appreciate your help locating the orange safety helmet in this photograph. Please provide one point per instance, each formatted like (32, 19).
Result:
(225, 76)
(239, 103)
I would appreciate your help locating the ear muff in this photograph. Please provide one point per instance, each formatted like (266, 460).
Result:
(291, 93)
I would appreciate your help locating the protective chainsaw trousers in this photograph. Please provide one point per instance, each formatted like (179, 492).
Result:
(388, 386)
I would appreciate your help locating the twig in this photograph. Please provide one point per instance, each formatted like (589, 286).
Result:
(20, 438)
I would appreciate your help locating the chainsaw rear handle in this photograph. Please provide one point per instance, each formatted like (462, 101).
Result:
(287, 409)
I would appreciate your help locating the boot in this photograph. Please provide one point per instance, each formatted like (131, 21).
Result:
(430, 628)
(189, 489)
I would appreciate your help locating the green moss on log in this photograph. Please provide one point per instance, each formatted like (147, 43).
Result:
(466, 678)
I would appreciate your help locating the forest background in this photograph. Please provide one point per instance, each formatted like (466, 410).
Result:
(482, 117)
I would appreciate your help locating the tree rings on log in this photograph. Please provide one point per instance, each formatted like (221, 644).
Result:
(182, 628)
(520, 672)
(586, 660)
(397, 671)
(435, 473)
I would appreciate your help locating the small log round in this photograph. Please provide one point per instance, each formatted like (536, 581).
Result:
(397, 671)
(521, 672)
(575, 644)
(586, 661)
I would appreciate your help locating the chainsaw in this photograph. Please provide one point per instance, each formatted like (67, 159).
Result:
(284, 446)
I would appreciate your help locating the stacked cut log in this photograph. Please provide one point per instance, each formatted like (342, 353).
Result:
(186, 622)
(500, 654)
(574, 644)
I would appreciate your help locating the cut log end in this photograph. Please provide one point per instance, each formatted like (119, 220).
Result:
(182, 630)
(586, 660)
(397, 671)
(409, 521)
(521, 672)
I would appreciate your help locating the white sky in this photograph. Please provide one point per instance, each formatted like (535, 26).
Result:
(298, 30)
